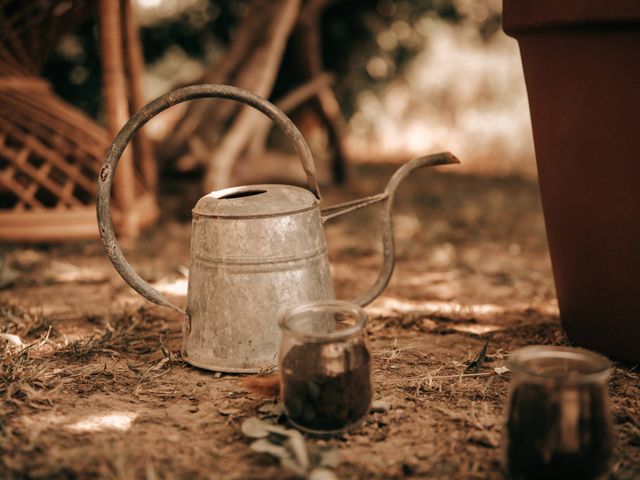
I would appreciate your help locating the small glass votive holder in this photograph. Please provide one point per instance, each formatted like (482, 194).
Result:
(558, 417)
(325, 367)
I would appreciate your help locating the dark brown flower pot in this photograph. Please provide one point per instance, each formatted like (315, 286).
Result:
(581, 62)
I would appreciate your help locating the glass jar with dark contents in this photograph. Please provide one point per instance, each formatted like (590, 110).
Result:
(558, 419)
(325, 367)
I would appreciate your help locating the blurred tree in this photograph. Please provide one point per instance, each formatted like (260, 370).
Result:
(353, 32)
(365, 43)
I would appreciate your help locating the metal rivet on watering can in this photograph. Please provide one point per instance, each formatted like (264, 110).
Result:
(255, 250)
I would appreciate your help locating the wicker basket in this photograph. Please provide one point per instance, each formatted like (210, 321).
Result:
(50, 152)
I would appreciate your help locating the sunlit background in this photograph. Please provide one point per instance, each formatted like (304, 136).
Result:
(412, 76)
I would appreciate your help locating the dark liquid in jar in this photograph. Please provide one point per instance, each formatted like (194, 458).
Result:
(560, 433)
(326, 388)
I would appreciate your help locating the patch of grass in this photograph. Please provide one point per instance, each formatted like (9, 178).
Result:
(27, 324)
(139, 333)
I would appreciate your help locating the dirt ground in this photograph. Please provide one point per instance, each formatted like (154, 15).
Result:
(99, 390)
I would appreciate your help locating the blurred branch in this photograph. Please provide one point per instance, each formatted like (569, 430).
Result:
(307, 41)
(302, 93)
(208, 134)
(262, 68)
(245, 39)
(289, 102)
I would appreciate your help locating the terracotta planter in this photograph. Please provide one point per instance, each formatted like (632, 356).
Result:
(581, 62)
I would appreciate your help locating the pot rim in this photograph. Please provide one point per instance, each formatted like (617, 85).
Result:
(520, 16)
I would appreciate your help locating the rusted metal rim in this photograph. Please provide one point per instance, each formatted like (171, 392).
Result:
(139, 119)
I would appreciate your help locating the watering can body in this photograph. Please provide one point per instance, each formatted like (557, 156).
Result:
(255, 250)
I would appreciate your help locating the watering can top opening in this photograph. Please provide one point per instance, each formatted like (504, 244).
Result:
(255, 201)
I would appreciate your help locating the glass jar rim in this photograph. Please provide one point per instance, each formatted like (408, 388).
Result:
(601, 366)
(357, 311)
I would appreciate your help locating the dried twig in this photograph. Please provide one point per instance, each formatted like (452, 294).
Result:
(477, 362)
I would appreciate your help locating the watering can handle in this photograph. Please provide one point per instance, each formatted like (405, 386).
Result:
(105, 179)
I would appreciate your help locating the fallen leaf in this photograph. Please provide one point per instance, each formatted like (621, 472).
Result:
(11, 338)
(291, 464)
(501, 370)
(320, 473)
(272, 409)
(282, 453)
(227, 412)
(298, 447)
(265, 446)
(255, 428)
(329, 458)
(266, 386)
(290, 447)
(281, 430)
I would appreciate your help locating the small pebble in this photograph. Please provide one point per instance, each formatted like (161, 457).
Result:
(380, 406)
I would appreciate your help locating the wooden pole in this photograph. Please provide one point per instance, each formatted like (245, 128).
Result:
(142, 148)
(116, 110)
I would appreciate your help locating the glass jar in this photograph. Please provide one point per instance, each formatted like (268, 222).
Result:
(325, 367)
(558, 418)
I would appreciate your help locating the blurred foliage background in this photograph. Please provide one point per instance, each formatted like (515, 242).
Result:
(412, 76)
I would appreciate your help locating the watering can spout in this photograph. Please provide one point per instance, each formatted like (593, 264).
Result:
(388, 196)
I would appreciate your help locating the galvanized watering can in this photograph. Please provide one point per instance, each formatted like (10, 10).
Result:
(255, 250)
